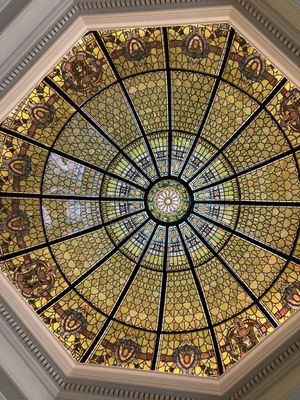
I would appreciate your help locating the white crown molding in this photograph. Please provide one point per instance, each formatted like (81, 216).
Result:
(3, 4)
(296, 2)
(64, 379)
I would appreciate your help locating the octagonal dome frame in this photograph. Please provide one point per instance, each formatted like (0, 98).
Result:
(18, 84)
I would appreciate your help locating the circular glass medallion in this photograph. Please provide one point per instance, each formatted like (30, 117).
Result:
(168, 201)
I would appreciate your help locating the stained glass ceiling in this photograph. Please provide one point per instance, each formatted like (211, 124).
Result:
(150, 198)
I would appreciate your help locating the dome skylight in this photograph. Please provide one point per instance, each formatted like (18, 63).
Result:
(150, 198)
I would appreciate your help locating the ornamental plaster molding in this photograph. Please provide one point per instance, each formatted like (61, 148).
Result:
(64, 379)
(273, 23)
(246, 391)
(67, 11)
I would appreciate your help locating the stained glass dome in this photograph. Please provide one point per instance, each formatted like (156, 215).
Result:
(150, 198)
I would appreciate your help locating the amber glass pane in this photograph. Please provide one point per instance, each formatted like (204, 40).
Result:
(197, 47)
(40, 115)
(135, 50)
(21, 166)
(249, 70)
(83, 71)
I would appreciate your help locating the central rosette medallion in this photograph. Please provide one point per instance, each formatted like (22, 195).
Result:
(168, 200)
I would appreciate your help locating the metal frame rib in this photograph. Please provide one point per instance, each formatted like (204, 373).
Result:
(95, 125)
(169, 90)
(211, 100)
(122, 295)
(204, 304)
(72, 285)
(48, 243)
(249, 239)
(128, 99)
(162, 302)
(241, 129)
(235, 276)
(60, 153)
(254, 167)
(51, 196)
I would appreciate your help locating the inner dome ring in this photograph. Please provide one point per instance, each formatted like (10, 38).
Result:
(168, 200)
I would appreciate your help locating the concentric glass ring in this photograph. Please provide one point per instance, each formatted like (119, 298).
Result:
(168, 201)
